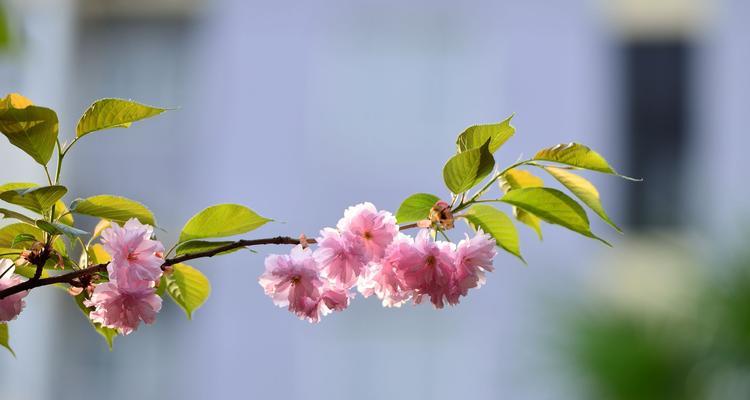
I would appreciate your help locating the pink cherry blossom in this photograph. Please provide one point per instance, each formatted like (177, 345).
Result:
(473, 257)
(135, 256)
(331, 299)
(371, 229)
(12, 305)
(429, 272)
(341, 260)
(293, 280)
(381, 278)
(123, 308)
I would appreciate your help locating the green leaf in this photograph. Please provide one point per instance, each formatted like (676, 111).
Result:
(31, 128)
(113, 113)
(4, 338)
(221, 220)
(495, 223)
(197, 246)
(21, 238)
(37, 199)
(517, 179)
(416, 207)
(464, 170)
(9, 232)
(108, 334)
(16, 215)
(56, 228)
(477, 135)
(583, 189)
(60, 207)
(577, 155)
(27, 271)
(552, 206)
(188, 287)
(97, 255)
(113, 208)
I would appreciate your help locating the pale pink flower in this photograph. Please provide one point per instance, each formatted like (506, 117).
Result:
(341, 260)
(331, 299)
(428, 272)
(12, 305)
(381, 278)
(135, 256)
(474, 257)
(369, 228)
(123, 308)
(293, 280)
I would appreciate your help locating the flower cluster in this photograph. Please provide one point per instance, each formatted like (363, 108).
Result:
(12, 305)
(367, 251)
(130, 295)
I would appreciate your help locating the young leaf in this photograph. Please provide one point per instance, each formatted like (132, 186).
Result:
(517, 179)
(477, 135)
(114, 208)
(60, 208)
(188, 287)
(97, 254)
(56, 228)
(30, 128)
(108, 334)
(4, 338)
(37, 199)
(583, 189)
(16, 215)
(221, 220)
(416, 208)
(576, 155)
(197, 246)
(498, 225)
(21, 238)
(113, 113)
(552, 206)
(464, 170)
(9, 232)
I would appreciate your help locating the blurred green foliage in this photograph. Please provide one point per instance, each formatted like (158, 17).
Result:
(623, 354)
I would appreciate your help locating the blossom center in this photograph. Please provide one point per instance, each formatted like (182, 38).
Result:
(367, 235)
(430, 260)
(295, 279)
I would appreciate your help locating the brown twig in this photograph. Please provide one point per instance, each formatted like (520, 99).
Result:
(69, 277)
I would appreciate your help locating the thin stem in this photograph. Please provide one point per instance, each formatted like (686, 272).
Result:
(463, 205)
(49, 177)
(60, 156)
(69, 277)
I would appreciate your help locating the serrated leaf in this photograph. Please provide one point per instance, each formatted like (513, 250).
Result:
(464, 170)
(113, 113)
(552, 206)
(577, 155)
(197, 246)
(495, 223)
(188, 287)
(517, 179)
(583, 189)
(416, 207)
(56, 228)
(221, 220)
(476, 135)
(31, 128)
(5, 338)
(114, 208)
(108, 334)
(37, 199)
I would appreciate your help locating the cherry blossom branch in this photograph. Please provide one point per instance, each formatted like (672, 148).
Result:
(69, 277)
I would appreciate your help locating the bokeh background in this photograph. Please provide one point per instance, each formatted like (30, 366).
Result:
(300, 109)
